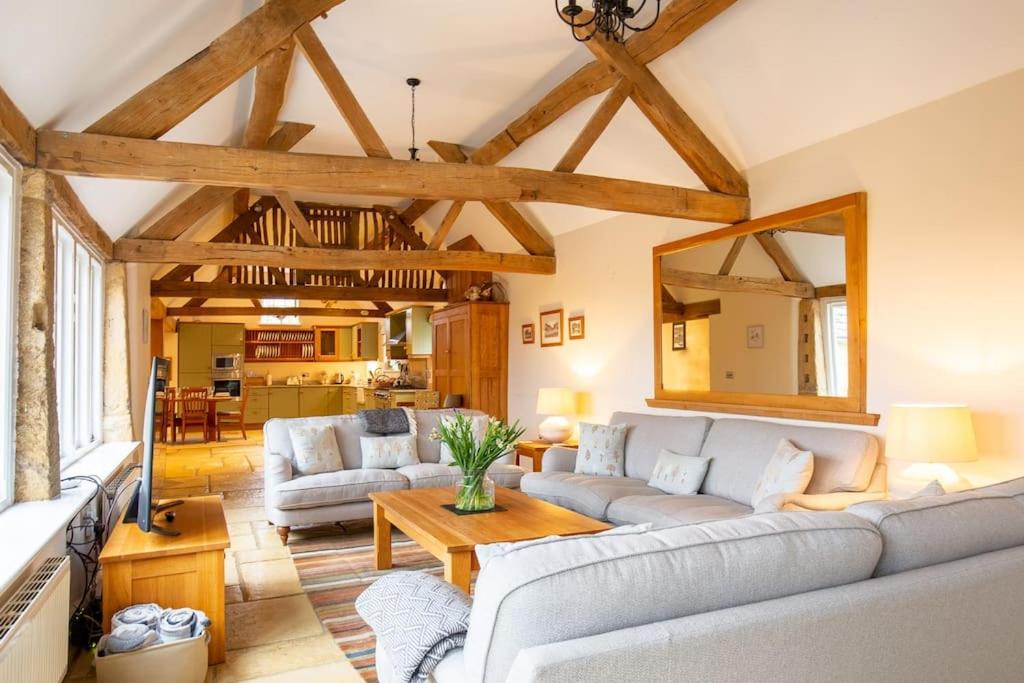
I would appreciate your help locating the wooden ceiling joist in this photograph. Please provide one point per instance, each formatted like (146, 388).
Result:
(677, 312)
(166, 102)
(268, 95)
(17, 135)
(193, 208)
(218, 311)
(342, 96)
(297, 219)
(734, 253)
(595, 126)
(778, 255)
(234, 254)
(437, 241)
(227, 290)
(732, 283)
(116, 157)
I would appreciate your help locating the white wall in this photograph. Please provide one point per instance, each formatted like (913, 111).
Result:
(945, 307)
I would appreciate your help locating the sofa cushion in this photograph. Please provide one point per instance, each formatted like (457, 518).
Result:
(788, 472)
(435, 475)
(601, 451)
(1013, 488)
(740, 449)
(678, 474)
(315, 449)
(585, 493)
(522, 597)
(665, 511)
(347, 430)
(505, 475)
(388, 452)
(919, 532)
(648, 434)
(335, 488)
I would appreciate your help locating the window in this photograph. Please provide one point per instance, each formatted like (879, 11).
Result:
(837, 346)
(9, 210)
(79, 345)
(279, 319)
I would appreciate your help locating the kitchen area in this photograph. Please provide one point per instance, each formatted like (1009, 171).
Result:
(295, 371)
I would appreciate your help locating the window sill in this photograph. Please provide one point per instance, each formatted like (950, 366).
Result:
(27, 528)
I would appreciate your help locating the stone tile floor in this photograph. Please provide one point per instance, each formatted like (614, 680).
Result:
(273, 634)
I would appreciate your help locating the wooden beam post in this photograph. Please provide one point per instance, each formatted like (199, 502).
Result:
(597, 124)
(437, 241)
(16, 134)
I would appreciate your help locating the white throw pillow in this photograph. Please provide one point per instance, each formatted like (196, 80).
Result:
(934, 488)
(602, 450)
(478, 423)
(315, 449)
(678, 474)
(388, 452)
(788, 472)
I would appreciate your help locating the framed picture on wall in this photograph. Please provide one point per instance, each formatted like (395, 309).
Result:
(528, 333)
(551, 328)
(755, 336)
(679, 336)
(576, 327)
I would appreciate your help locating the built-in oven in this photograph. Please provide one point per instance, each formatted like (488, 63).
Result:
(227, 387)
(231, 362)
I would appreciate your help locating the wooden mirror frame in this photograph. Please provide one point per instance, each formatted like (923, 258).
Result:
(850, 409)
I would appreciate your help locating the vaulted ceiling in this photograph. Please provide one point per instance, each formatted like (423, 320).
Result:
(765, 78)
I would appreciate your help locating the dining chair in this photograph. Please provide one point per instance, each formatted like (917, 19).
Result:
(166, 416)
(232, 417)
(194, 411)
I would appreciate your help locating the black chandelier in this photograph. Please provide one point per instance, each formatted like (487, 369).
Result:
(414, 151)
(611, 18)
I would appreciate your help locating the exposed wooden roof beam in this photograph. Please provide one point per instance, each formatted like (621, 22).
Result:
(253, 311)
(677, 312)
(233, 254)
(218, 290)
(342, 96)
(733, 283)
(734, 253)
(17, 135)
(437, 241)
(297, 219)
(193, 208)
(829, 291)
(596, 125)
(116, 157)
(778, 255)
(674, 124)
(268, 95)
(400, 227)
(167, 101)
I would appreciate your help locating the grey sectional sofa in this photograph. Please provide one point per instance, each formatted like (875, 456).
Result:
(930, 589)
(340, 496)
(846, 470)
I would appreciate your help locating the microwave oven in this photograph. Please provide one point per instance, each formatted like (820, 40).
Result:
(230, 362)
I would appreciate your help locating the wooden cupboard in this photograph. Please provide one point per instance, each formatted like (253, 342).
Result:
(328, 343)
(471, 355)
(366, 341)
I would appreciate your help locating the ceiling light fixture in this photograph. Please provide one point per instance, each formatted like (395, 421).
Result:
(611, 18)
(413, 150)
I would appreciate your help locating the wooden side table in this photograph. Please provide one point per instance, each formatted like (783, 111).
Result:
(535, 451)
(172, 571)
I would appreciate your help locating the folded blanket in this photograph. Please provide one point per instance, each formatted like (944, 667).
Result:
(386, 421)
(128, 638)
(417, 618)
(145, 613)
(181, 624)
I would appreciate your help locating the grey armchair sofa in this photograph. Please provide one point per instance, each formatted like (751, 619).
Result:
(294, 500)
(929, 589)
(846, 470)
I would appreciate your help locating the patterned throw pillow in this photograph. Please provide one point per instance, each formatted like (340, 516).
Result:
(678, 474)
(315, 449)
(388, 452)
(602, 450)
(788, 472)
(479, 425)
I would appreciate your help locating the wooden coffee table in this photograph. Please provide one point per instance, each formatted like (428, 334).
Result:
(452, 538)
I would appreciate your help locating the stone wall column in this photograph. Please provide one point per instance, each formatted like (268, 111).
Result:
(37, 450)
(117, 404)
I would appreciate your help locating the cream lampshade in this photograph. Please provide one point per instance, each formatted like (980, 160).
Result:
(933, 436)
(557, 404)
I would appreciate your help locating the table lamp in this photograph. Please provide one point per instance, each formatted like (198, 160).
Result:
(556, 403)
(931, 437)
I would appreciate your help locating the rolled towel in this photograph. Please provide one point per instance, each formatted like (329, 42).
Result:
(182, 623)
(128, 638)
(147, 614)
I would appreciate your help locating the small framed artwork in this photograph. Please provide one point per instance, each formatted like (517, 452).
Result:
(551, 328)
(528, 333)
(679, 336)
(577, 327)
(755, 336)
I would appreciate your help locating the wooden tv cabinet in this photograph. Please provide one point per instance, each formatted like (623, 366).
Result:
(172, 571)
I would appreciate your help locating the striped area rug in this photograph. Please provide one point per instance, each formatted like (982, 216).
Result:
(335, 566)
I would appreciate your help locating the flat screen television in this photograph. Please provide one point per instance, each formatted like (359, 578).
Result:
(141, 508)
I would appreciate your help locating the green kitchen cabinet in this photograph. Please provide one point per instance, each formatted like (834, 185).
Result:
(258, 408)
(366, 341)
(228, 334)
(284, 402)
(349, 400)
(334, 401)
(194, 349)
(345, 336)
(314, 401)
(202, 379)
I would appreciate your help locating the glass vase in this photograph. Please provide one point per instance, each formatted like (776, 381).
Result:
(475, 492)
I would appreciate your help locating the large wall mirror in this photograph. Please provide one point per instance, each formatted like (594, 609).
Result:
(766, 317)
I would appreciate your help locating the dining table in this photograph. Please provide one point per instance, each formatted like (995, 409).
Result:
(212, 400)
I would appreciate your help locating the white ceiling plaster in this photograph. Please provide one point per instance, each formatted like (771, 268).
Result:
(764, 79)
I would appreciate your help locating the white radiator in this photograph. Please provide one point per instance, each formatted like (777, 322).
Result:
(34, 626)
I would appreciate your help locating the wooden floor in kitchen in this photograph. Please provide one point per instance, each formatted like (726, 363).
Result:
(273, 634)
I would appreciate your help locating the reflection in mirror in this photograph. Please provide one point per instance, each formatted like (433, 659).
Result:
(763, 313)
